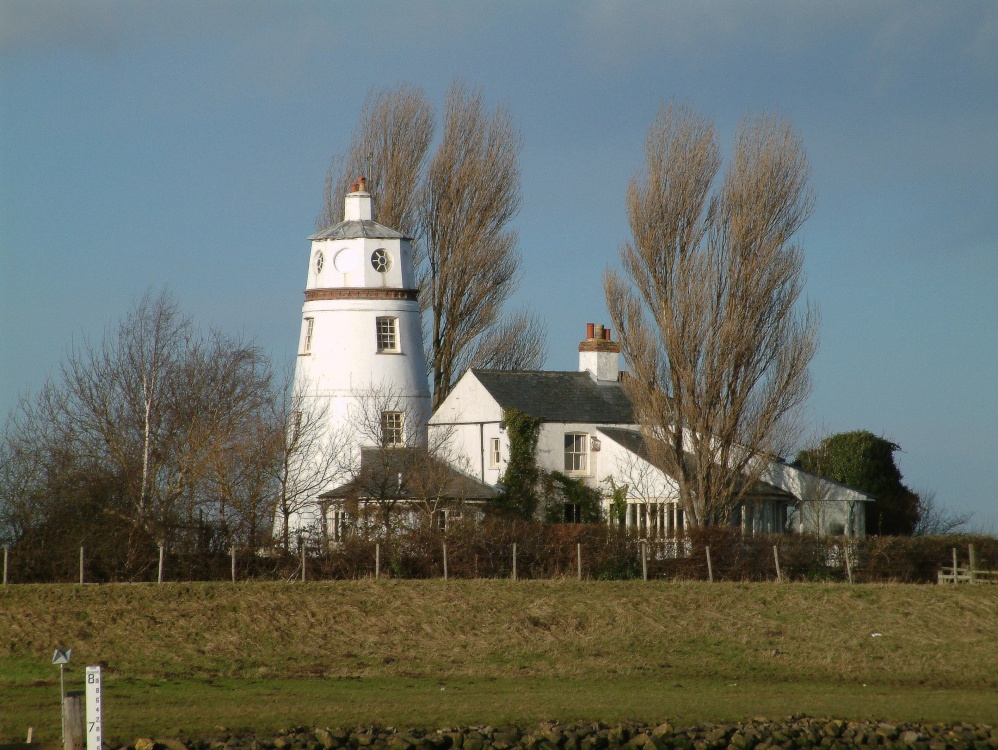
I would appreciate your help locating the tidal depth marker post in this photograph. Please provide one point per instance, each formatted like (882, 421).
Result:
(94, 713)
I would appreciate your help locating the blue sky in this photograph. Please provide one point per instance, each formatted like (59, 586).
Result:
(185, 144)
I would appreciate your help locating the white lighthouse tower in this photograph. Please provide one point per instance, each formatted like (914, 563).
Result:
(361, 345)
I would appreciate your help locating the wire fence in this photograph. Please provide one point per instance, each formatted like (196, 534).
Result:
(519, 550)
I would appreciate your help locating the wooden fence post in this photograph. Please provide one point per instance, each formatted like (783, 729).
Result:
(776, 557)
(644, 560)
(6, 555)
(578, 554)
(445, 561)
(710, 566)
(159, 576)
(377, 560)
(954, 566)
(72, 716)
(303, 561)
(81, 564)
(973, 563)
(848, 564)
(514, 561)
(233, 563)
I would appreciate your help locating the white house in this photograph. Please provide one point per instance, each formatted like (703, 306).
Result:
(588, 431)
(361, 347)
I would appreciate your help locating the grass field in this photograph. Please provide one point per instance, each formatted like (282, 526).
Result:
(189, 657)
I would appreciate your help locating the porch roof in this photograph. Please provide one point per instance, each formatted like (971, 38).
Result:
(408, 474)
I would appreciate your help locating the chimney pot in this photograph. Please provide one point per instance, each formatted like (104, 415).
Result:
(599, 331)
(606, 334)
(362, 184)
(590, 328)
(358, 204)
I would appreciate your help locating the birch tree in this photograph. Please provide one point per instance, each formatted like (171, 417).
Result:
(708, 304)
(129, 426)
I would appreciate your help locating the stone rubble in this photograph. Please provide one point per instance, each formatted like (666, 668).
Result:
(760, 733)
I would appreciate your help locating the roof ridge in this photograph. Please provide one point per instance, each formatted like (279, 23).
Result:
(491, 370)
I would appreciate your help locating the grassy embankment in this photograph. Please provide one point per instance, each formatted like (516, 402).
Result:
(188, 657)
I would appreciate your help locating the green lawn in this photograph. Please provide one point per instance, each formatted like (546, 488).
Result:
(190, 657)
(141, 708)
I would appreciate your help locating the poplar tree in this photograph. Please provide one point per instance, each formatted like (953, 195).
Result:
(458, 208)
(708, 304)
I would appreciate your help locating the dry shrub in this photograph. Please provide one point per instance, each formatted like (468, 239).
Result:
(918, 559)
(484, 549)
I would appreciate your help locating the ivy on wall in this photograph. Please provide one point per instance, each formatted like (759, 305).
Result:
(560, 490)
(531, 493)
(618, 500)
(521, 478)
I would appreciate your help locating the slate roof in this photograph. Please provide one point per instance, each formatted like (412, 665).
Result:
(867, 497)
(421, 475)
(348, 230)
(558, 396)
(634, 442)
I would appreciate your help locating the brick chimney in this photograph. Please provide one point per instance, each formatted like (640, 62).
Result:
(598, 355)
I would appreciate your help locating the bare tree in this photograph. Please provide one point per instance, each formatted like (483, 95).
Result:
(458, 213)
(27, 466)
(150, 400)
(392, 433)
(118, 399)
(242, 480)
(389, 146)
(934, 519)
(708, 320)
(515, 342)
(123, 437)
(470, 196)
(305, 457)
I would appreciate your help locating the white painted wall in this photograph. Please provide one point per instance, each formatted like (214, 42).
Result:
(830, 509)
(469, 401)
(601, 365)
(347, 264)
(342, 371)
(645, 483)
(473, 418)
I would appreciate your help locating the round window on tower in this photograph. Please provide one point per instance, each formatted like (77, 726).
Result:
(381, 260)
(319, 262)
